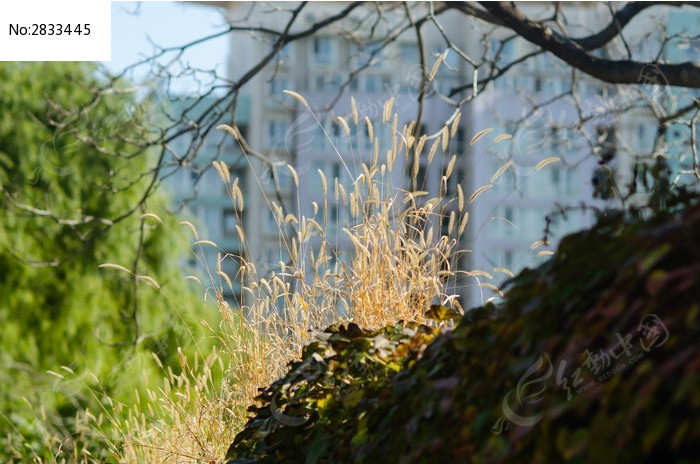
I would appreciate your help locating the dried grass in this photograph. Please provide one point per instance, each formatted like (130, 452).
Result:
(398, 265)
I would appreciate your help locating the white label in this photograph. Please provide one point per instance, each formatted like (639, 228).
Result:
(51, 30)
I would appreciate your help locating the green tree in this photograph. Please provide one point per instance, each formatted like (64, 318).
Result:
(74, 185)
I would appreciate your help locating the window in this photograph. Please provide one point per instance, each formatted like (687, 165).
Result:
(237, 172)
(243, 130)
(276, 133)
(502, 52)
(509, 214)
(376, 84)
(386, 82)
(285, 179)
(319, 137)
(335, 172)
(276, 86)
(369, 53)
(323, 50)
(419, 182)
(334, 82)
(509, 221)
(554, 85)
(555, 178)
(323, 82)
(570, 182)
(554, 140)
(455, 179)
(230, 264)
(582, 88)
(645, 137)
(409, 53)
(271, 226)
(229, 221)
(508, 258)
(461, 136)
(335, 131)
(320, 83)
(286, 51)
(273, 256)
(371, 84)
(445, 225)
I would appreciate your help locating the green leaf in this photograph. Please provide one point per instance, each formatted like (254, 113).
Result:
(441, 313)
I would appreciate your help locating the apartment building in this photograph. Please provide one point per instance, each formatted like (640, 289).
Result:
(514, 211)
(200, 194)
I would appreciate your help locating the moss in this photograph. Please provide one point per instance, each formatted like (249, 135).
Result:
(565, 369)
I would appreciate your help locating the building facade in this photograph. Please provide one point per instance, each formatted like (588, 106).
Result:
(526, 203)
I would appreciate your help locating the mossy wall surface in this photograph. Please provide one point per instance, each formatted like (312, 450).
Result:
(591, 357)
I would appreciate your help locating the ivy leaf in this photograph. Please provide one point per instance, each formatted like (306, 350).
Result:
(441, 313)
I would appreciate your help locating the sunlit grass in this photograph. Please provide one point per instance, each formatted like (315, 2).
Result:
(404, 251)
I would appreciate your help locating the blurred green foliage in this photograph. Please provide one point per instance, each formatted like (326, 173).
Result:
(63, 158)
(591, 357)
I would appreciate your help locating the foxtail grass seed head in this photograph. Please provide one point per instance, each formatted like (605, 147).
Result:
(537, 244)
(206, 242)
(294, 175)
(411, 128)
(231, 130)
(355, 114)
(190, 226)
(388, 105)
(297, 97)
(375, 153)
(455, 124)
(324, 183)
(116, 267)
(421, 143)
(478, 192)
(436, 66)
(149, 280)
(463, 223)
(151, 216)
(501, 170)
(503, 270)
(480, 134)
(546, 162)
(370, 128)
(433, 150)
(450, 166)
(344, 123)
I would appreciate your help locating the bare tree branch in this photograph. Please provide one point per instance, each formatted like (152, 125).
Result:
(613, 71)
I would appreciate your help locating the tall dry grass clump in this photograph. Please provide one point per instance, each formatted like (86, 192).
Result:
(403, 244)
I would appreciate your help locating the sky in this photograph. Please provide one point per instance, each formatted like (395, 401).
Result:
(167, 24)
